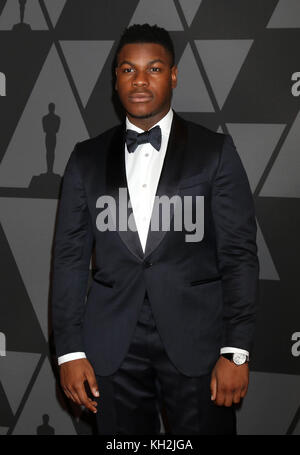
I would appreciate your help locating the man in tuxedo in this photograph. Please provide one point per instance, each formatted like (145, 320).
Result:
(168, 319)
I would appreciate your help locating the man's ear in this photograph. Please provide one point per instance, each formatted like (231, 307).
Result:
(116, 70)
(174, 71)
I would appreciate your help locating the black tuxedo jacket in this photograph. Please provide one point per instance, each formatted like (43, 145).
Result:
(203, 294)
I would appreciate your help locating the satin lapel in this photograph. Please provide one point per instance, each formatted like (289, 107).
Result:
(170, 175)
(116, 179)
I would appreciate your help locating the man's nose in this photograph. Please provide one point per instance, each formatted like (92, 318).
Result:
(140, 79)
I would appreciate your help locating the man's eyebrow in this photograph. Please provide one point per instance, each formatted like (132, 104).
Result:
(149, 63)
(126, 61)
(155, 61)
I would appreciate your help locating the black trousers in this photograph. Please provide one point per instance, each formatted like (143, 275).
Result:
(148, 384)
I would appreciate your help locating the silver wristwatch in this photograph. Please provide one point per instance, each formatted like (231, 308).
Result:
(236, 357)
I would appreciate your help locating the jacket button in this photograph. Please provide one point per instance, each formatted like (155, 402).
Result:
(147, 264)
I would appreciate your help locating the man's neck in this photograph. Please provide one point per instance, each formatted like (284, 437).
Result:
(147, 123)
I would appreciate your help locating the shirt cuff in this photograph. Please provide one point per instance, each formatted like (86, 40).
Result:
(230, 349)
(71, 356)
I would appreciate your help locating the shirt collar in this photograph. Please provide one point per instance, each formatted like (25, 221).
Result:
(164, 123)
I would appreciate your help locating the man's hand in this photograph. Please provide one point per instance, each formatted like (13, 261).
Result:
(229, 382)
(73, 374)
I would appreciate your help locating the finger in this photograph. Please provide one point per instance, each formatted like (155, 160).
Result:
(213, 388)
(68, 395)
(84, 398)
(228, 398)
(236, 396)
(220, 397)
(75, 396)
(244, 391)
(94, 403)
(91, 379)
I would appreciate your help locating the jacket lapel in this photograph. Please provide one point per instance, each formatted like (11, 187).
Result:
(170, 176)
(116, 179)
(167, 185)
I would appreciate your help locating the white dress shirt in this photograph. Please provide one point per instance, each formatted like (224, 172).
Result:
(143, 169)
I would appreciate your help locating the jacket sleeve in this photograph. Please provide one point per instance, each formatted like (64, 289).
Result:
(73, 243)
(235, 227)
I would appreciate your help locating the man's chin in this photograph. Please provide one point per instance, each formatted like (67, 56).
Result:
(141, 115)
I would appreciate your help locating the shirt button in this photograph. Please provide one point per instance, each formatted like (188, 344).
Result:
(146, 154)
(144, 185)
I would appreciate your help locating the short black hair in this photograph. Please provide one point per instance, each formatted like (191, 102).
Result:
(145, 33)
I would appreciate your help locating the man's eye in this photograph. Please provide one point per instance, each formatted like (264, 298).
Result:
(155, 68)
(127, 70)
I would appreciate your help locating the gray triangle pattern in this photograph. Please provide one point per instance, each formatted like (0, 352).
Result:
(267, 269)
(16, 371)
(190, 8)
(223, 60)
(185, 97)
(54, 8)
(2, 344)
(86, 60)
(43, 400)
(297, 429)
(33, 15)
(286, 15)
(283, 179)
(51, 86)
(33, 220)
(2, 84)
(162, 13)
(278, 396)
(255, 144)
(29, 226)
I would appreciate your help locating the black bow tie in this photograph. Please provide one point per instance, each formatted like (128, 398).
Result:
(133, 138)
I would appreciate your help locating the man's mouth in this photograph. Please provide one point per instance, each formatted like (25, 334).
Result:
(140, 98)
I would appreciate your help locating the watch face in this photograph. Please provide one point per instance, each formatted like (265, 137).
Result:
(239, 359)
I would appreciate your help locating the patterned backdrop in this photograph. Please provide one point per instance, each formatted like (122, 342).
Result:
(242, 56)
